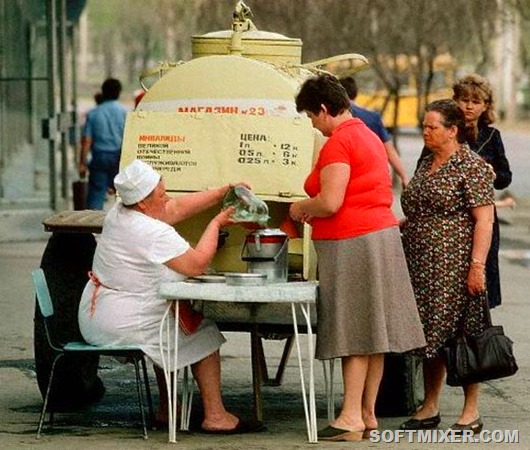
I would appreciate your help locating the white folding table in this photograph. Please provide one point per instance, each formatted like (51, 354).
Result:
(297, 293)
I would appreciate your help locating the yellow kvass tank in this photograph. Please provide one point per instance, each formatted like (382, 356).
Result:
(229, 115)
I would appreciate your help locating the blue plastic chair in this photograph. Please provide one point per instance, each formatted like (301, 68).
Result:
(131, 352)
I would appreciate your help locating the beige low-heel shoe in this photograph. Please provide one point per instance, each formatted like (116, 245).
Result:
(339, 435)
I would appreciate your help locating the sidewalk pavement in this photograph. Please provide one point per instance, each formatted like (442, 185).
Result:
(114, 422)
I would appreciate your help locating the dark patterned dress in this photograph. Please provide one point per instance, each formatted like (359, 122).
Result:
(490, 147)
(438, 239)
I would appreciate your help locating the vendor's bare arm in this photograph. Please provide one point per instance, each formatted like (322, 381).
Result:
(196, 260)
(185, 206)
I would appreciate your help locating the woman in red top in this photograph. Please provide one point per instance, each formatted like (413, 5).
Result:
(366, 305)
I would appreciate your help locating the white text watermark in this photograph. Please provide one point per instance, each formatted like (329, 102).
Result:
(436, 436)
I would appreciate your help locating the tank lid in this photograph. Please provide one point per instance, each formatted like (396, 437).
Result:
(250, 34)
(245, 39)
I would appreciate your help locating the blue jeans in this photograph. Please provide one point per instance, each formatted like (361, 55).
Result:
(103, 168)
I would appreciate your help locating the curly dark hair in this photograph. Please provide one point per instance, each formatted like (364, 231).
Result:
(451, 115)
(322, 90)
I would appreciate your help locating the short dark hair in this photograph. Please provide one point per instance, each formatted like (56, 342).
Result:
(350, 85)
(111, 89)
(451, 115)
(322, 90)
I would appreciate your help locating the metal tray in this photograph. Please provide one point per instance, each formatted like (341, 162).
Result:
(210, 278)
(245, 279)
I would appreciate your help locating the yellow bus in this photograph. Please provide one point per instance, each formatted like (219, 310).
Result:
(405, 67)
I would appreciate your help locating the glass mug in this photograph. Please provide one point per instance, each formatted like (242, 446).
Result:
(248, 207)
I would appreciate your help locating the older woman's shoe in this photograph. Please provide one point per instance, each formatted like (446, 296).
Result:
(421, 424)
(475, 426)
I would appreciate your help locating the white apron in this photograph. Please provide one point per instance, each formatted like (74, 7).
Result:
(129, 264)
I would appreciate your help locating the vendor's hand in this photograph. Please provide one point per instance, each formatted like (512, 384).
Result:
(240, 183)
(224, 217)
(476, 279)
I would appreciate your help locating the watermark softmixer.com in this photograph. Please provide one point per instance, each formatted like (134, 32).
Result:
(445, 436)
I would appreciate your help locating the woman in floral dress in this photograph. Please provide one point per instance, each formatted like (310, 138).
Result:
(474, 96)
(447, 234)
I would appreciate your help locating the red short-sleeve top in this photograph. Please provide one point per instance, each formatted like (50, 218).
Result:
(368, 198)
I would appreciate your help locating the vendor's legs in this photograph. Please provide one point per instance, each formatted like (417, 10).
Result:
(207, 373)
(162, 413)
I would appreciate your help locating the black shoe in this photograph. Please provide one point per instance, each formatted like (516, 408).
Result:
(421, 424)
(475, 426)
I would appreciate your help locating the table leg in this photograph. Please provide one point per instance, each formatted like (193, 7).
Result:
(309, 410)
(187, 399)
(278, 378)
(257, 373)
(174, 384)
(169, 363)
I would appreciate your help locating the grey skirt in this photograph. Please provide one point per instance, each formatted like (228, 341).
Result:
(366, 304)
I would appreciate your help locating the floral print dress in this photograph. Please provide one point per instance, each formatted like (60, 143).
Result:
(438, 238)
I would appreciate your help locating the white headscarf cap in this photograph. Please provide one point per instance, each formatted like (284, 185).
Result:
(135, 182)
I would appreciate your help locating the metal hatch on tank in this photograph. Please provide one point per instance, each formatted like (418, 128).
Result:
(229, 115)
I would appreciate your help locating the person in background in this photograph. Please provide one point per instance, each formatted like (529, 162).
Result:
(366, 304)
(474, 96)
(374, 122)
(448, 206)
(98, 98)
(139, 248)
(101, 139)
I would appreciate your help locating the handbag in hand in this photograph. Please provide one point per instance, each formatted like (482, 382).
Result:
(473, 359)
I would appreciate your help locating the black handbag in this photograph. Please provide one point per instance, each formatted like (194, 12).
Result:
(474, 359)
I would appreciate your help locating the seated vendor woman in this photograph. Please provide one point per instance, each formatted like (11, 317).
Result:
(138, 248)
